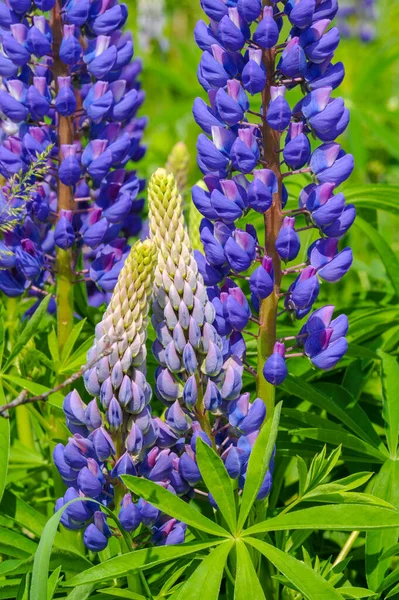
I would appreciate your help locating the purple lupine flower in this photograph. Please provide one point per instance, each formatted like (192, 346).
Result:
(77, 102)
(245, 152)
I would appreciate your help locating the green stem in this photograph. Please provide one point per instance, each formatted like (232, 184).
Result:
(24, 427)
(64, 296)
(65, 135)
(272, 220)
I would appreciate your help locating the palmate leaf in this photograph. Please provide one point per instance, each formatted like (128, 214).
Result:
(347, 440)
(390, 378)
(206, 580)
(31, 328)
(247, 582)
(4, 445)
(377, 197)
(387, 255)
(218, 482)
(120, 566)
(385, 486)
(258, 464)
(172, 505)
(44, 550)
(347, 517)
(309, 583)
(352, 416)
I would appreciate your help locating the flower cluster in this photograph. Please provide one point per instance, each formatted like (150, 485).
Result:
(69, 83)
(199, 380)
(246, 157)
(357, 19)
(115, 433)
(200, 374)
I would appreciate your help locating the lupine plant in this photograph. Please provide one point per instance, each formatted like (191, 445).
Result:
(220, 420)
(247, 164)
(69, 84)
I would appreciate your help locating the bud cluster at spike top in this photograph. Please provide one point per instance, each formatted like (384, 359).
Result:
(199, 380)
(68, 81)
(247, 62)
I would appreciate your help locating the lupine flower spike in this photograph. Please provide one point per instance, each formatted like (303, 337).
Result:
(246, 156)
(70, 87)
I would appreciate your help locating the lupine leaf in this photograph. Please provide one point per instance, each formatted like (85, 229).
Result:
(385, 486)
(30, 329)
(17, 542)
(72, 338)
(172, 505)
(4, 445)
(120, 566)
(35, 388)
(378, 197)
(347, 440)
(217, 481)
(348, 517)
(122, 593)
(206, 579)
(386, 253)
(247, 582)
(309, 583)
(352, 417)
(52, 582)
(355, 592)
(390, 379)
(258, 464)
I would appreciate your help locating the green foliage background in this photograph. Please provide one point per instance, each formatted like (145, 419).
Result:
(353, 410)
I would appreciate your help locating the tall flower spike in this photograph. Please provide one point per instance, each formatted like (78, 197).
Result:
(71, 85)
(199, 346)
(240, 156)
(194, 363)
(114, 432)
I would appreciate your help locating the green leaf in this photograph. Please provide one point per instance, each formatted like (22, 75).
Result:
(218, 482)
(377, 197)
(35, 388)
(353, 417)
(309, 583)
(17, 542)
(172, 505)
(31, 328)
(390, 406)
(22, 513)
(4, 445)
(385, 251)
(247, 581)
(81, 593)
(386, 487)
(206, 579)
(72, 338)
(348, 517)
(52, 582)
(355, 592)
(44, 551)
(258, 464)
(119, 593)
(347, 440)
(119, 566)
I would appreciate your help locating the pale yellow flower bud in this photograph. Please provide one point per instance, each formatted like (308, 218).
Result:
(178, 164)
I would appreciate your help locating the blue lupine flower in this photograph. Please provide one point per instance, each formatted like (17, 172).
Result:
(106, 208)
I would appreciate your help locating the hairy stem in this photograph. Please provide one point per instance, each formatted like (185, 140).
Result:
(272, 219)
(65, 135)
